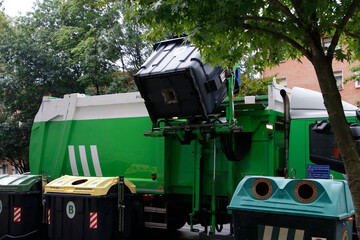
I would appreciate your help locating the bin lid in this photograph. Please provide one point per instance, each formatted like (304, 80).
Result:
(18, 183)
(318, 198)
(94, 186)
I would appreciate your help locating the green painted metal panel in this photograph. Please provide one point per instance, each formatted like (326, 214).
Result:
(18, 183)
(121, 149)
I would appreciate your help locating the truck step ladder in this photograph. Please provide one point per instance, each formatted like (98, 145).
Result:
(155, 217)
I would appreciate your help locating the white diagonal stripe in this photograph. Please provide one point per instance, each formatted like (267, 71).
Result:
(283, 233)
(93, 216)
(72, 158)
(17, 211)
(95, 159)
(17, 214)
(299, 234)
(93, 220)
(268, 233)
(83, 159)
(93, 224)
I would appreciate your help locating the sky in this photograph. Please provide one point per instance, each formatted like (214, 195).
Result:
(13, 7)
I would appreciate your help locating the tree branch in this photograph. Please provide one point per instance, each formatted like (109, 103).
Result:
(348, 33)
(280, 36)
(335, 38)
(270, 20)
(286, 11)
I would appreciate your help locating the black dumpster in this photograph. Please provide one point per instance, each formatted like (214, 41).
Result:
(86, 208)
(174, 82)
(20, 207)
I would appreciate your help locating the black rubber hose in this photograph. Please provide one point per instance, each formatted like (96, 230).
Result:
(243, 145)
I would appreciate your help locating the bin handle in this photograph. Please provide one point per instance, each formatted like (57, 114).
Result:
(121, 207)
(293, 173)
(43, 199)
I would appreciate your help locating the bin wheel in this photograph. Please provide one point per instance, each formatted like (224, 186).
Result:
(176, 215)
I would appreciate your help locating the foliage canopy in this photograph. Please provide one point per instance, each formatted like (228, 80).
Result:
(61, 47)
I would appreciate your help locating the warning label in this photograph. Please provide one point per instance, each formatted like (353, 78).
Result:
(318, 172)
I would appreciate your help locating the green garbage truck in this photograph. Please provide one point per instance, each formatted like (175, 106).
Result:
(183, 140)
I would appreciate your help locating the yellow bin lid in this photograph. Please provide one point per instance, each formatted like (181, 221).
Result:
(94, 186)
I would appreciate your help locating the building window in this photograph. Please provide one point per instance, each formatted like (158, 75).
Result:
(339, 79)
(15, 170)
(357, 82)
(326, 42)
(282, 81)
(4, 169)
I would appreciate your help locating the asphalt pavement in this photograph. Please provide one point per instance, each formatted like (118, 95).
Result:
(182, 234)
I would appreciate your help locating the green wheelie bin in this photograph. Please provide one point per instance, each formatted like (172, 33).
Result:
(21, 207)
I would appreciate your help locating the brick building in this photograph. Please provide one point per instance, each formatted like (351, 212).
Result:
(7, 168)
(292, 73)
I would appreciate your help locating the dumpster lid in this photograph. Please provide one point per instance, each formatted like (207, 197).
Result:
(330, 199)
(18, 183)
(94, 186)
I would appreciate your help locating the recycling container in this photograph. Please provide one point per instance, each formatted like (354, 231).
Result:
(21, 207)
(86, 208)
(174, 82)
(278, 208)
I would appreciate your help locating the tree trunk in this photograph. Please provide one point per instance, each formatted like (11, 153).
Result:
(346, 143)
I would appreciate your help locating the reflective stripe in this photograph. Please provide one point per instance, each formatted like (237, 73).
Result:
(93, 220)
(149, 190)
(72, 158)
(17, 214)
(299, 234)
(95, 159)
(283, 233)
(268, 233)
(83, 159)
(279, 233)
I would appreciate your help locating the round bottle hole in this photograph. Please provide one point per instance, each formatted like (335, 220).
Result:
(262, 189)
(305, 191)
(81, 181)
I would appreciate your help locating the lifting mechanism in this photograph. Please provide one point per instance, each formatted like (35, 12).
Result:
(206, 131)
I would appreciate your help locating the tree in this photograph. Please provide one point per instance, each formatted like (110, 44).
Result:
(84, 32)
(30, 69)
(226, 30)
(123, 82)
(135, 48)
(14, 142)
(251, 86)
(61, 47)
(94, 36)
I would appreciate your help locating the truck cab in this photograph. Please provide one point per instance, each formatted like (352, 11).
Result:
(312, 140)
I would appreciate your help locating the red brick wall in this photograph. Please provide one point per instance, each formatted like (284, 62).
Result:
(9, 167)
(303, 75)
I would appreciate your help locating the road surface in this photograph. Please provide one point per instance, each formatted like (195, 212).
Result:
(182, 234)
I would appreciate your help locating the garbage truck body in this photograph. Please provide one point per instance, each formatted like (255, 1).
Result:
(180, 142)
